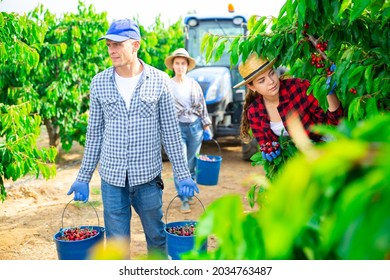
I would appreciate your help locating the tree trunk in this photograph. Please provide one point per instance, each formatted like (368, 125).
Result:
(52, 131)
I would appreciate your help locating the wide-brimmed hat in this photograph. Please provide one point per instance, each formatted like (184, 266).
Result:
(180, 53)
(122, 30)
(253, 66)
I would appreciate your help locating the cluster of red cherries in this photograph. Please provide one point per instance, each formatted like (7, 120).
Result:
(77, 233)
(184, 230)
(322, 46)
(270, 151)
(269, 147)
(317, 60)
(353, 90)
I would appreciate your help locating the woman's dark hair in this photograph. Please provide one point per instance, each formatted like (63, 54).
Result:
(250, 96)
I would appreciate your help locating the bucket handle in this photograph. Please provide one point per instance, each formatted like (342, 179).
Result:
(63, 212)
(219, 148)
(169, 205)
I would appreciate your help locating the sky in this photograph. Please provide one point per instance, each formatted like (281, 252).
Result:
(147, 10)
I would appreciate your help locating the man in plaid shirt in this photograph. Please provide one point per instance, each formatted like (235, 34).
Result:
(131, 114)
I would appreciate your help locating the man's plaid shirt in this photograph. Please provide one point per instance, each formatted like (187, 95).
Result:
(129, 141)
(292, 96)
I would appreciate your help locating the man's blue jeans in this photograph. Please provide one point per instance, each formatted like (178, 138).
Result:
(191, 137)
(146, 199)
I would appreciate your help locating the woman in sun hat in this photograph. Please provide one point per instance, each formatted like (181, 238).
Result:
(194, 121)
(269, 98)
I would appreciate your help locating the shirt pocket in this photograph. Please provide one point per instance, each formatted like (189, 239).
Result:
(148, 106)
(110, 107)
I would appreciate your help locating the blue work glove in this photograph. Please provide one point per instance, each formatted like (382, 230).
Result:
(328, 85)
(271, 156)
(328, 80)
(81, 191)
(187, 187)
(270, 151)
(333, 89)
(207, 135)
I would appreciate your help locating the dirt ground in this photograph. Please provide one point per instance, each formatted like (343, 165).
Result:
(35, 209)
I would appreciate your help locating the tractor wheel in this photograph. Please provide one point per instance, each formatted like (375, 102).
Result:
(249, 149)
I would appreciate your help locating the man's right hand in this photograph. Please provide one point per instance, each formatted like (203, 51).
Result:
(81, 191)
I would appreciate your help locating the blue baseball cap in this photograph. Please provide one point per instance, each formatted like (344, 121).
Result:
(122, 30)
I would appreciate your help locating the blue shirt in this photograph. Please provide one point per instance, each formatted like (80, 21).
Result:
(129, 141)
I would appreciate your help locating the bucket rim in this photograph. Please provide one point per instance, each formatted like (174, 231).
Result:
(182, 222)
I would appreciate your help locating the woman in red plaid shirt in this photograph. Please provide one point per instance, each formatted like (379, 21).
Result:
(269, 99)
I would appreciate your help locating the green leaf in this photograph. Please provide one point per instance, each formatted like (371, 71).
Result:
(205, 42)
(223, 225)
(354, 109)
(344, 5)
(252, 21)
(356, 71)
(375, 129)
(358, 7)
(289, 8)
(354, 75)
(368, 76)
(386, 16)
(301, 12)
(220, 49)
(258, 26)
(234, 51)
(210, 47)
(371, 107)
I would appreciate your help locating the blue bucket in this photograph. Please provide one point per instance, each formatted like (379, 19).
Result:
(78, 249)
(177, 245)
(207, 168)
(207, 171)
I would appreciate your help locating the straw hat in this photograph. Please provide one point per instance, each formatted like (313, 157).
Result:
(253, 66)
(180, 53)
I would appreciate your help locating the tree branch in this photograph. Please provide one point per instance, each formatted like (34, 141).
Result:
(314, 41)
